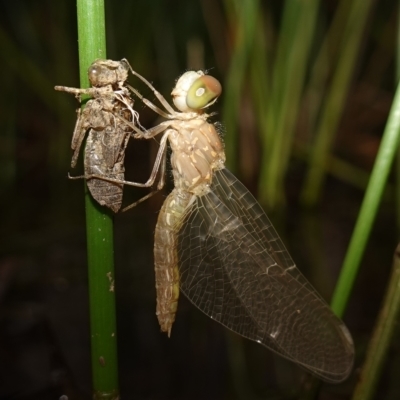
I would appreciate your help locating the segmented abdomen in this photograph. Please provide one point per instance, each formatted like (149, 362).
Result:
(104, 155)
(169, 222)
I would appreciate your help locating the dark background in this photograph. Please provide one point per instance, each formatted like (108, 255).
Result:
(44, 327)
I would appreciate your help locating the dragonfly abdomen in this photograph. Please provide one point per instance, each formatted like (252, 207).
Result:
(169, 222)
(103, 157)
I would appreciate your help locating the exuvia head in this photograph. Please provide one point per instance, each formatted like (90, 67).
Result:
(107, 72)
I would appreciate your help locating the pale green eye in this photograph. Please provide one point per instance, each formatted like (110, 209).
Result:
(203, 92)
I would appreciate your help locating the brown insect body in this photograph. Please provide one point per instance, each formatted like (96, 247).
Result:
(214, 242)
(196, 152)
(104, 116)
(105, 153)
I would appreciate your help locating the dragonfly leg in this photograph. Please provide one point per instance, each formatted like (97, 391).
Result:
(151, 194)
(107, 179)
(161, 182)
(154, 131)
(159, 96)
(145, 133)
(149, 104)
(76, 91)
(81, 127)
(160, 160)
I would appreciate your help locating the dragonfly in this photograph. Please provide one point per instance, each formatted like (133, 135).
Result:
(108, 117)
(214, 242)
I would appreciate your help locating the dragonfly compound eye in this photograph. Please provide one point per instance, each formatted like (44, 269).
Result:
(203, 92)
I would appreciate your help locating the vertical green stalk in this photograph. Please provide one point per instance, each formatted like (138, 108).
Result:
(260, 79)
(388, 317)
(335, 101)
(384, 159)
(296, 37)
(99, 225)
(381, 338)
(398, 154)
(245, 22)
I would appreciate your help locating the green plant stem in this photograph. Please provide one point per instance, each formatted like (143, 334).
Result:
(245, 23)
(381, 338)
(260, 76)
(344, 171)
(99, 225)
(398, 154)
(335, 101)
(369, 207)
(288, 81)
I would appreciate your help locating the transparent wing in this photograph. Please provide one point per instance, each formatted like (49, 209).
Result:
(235, 268)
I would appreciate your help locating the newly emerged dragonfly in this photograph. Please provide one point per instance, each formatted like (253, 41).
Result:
(214, 242)
(109, 117)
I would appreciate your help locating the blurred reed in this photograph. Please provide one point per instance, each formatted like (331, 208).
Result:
(380, 342)
(293, 61)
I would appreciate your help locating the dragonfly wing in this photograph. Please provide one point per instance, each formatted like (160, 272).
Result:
(235, 268)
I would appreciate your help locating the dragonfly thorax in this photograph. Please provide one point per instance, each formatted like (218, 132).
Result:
(197, 152)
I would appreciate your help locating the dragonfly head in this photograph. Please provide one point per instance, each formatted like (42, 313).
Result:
(195, 91)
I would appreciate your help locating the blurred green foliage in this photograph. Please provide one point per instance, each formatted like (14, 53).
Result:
(276, 64)
(307, 89)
